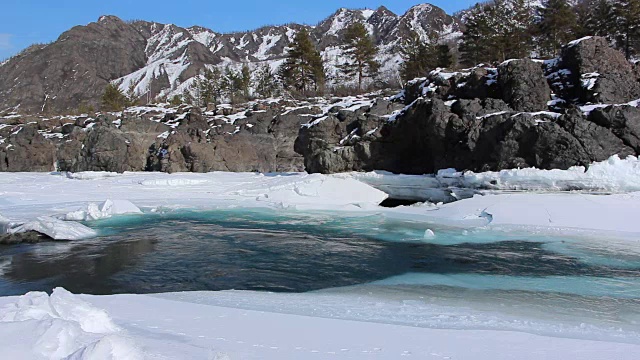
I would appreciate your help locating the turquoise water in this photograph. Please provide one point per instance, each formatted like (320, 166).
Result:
(570, 279)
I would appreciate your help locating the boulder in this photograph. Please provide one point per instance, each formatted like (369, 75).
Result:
(27, 150)
(599, 73)
(623, 121)
(523, 85)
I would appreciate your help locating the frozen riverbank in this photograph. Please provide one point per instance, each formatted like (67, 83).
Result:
(38, 201)
(195, 326)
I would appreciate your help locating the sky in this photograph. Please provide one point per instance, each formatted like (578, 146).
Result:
(25, 22)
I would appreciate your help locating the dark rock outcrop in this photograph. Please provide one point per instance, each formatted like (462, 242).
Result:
(178, 142)
(523, 85)
(623, 121)
(598, 73)
(472, 135)
(27, 150)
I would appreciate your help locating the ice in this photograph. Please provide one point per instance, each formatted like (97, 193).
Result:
(60, 326)
(108, 348)
(108, 209)
(92, 175)
(346, 324)
(578, 285)
(612, 175)
(569, 213)
(37, 201)
(55, 228)
(282, 192)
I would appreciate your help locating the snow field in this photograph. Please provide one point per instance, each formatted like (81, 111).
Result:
(192, 326)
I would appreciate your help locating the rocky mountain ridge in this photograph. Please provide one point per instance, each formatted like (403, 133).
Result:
(161, 60)
(574, 110)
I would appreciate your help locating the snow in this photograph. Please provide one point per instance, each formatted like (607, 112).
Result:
(586, 109)
(54, 228)
(268, 42)
(491, 115)
(547, 201)
(40, 202)
(578, 41)
(205, 36)
(614, 175)
(339, 22)
(367, 13)
(371, 321)
(61, 326)
(573, 214)
(589, 80)
(167, 55)
(108, 209)
(247, 325)
(399, 113)
(540, 113)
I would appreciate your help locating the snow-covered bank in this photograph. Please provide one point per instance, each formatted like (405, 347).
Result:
(613, 175)
(567, 213)
(193, 326)
(37, 201)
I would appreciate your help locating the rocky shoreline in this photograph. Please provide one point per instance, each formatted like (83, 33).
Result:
(573, 110)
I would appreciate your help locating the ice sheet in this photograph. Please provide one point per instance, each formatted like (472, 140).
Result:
(35, 201)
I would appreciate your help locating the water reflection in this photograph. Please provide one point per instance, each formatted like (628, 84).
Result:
(257, 251)
(86, 267)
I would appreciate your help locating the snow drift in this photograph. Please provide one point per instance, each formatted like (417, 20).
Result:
(61, 326)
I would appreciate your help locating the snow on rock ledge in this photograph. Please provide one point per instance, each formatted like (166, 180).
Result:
(61, 326)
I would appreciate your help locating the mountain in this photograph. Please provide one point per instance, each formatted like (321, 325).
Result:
(155, 59)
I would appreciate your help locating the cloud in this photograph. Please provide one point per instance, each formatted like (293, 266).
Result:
(5, 41)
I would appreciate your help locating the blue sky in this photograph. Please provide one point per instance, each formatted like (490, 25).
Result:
(23, 22)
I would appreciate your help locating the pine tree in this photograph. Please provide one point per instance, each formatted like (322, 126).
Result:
(627, 25)
(443, 56)
(519, 42)
(187, 97)
(114, 99)
(477, 38)
(237, 83)
(417, 57)
(132, 98)
(596, 18)
(245, 80)
(176, 100)
(303, 69)
(264, 82)
(209, 87)
(498, 18)
(556, 25)
(361, 52)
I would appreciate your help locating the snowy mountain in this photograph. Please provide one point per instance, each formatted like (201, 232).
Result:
(155, 59)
